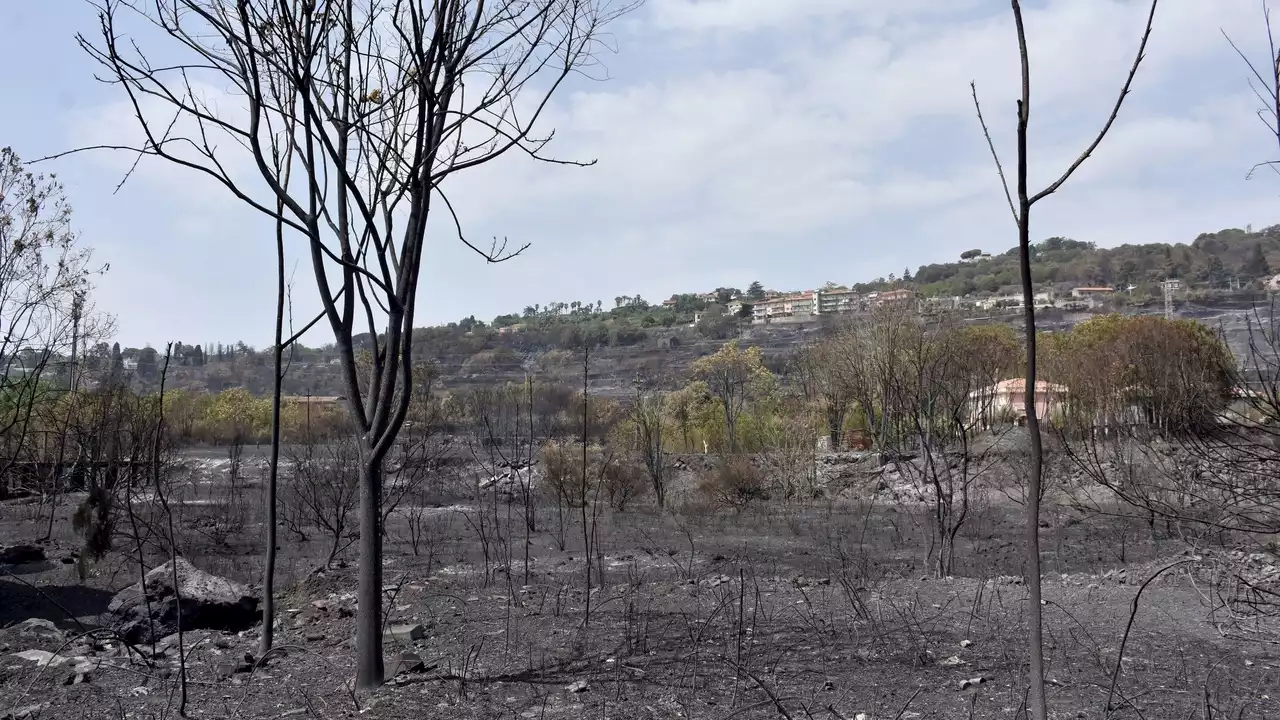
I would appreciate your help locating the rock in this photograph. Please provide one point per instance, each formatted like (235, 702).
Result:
(966, 643)
(405, 633)
(26, 712)
(42, 657)
(577, 686)
(952, 661)
(21, 555)
(407, 663)
(971, 682)
(229, 668)
(207, 602)
(38, 627)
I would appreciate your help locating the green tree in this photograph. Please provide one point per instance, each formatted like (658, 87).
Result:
(1256, 265)
(734, 376)
(1216, 272)
(724, 295)
(755, 290)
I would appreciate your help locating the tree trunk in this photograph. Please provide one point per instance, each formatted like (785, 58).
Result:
(273, 469)
(1037, 708)
(369, 670)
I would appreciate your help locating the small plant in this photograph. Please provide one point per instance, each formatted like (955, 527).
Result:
(623, 482)
(735, 483)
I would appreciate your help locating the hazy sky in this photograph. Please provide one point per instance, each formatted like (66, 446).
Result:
(791, 142)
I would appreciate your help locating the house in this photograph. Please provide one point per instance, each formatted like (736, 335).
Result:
(1246, 407)
(941, 303)
(895, 296)
(1273, 285)
(1006, 401)
(1091, 292)
(312, 400)
(130, 364)
(993, 302)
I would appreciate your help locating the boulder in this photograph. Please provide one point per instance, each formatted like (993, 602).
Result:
(21, 555)
(39, 628)
(405, 633)
(407, 663)
(207, 601)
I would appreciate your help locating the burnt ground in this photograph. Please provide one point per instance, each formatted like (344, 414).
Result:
(824, 610)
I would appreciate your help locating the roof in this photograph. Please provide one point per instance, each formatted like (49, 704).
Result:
(1094, 289)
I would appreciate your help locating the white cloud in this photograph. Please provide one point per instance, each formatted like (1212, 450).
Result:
(756, 15)
(835, 140)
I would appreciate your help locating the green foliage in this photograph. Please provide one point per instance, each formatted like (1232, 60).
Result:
(1174, 374)
(1211, 259)
(1256, 266)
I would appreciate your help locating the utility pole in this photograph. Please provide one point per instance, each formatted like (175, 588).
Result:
(1168, 286)
(77, 310)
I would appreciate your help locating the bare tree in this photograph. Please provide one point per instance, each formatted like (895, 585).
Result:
(1268, 87)
(322, 492)
(385, 100)
(943, 390)
(44, 276)
(273, 462)
(1021, 211)
(820, 370)
(866, 360)
(647, 417)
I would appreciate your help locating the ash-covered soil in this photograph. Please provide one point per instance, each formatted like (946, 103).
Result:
(819, 609)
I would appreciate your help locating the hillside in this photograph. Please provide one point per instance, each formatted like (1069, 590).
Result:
(1213, 261)
(1222, 270)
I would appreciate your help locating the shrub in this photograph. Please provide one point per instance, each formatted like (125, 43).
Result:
(623, 482)
(562, 473)
(734, 483)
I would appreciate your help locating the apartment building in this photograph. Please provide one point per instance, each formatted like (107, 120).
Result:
(837, 301)
(893, 296)
(801, 305)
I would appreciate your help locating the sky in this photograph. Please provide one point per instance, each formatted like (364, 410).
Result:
(793, 143)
